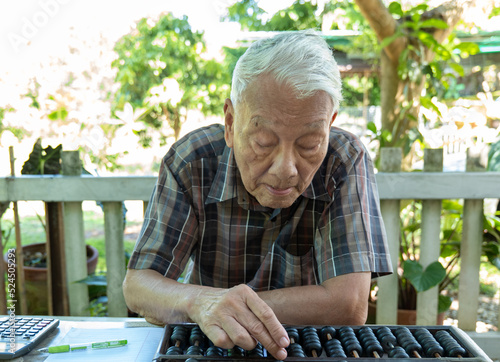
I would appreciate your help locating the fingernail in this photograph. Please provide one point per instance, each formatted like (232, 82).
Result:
(281, 355)
(284, 342)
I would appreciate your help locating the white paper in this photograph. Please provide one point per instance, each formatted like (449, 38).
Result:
(142, 344)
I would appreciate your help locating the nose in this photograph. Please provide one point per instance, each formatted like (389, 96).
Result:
(284, 165)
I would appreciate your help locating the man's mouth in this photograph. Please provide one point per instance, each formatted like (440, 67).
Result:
(278, 191)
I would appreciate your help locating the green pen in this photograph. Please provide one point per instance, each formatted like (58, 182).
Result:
(84, 346)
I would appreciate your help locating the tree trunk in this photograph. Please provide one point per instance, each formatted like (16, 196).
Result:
(400, 100)
(389, 84)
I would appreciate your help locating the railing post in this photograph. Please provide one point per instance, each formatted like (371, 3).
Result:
(388, 286)
(75, 249)
(115, 258)
(430, 243)
(470, 255)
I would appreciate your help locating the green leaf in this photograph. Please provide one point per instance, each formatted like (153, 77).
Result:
(396, 9)
(494, 12)
(457, 68)
(60, 113)
(467, 48)
(433, 23)
(386, 41)
(494, 157)
(94, 279)
(422, 279)
(43, 161)
(429, 104)
(444, 303)
(372, 127)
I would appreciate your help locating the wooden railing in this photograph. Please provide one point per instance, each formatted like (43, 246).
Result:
(394, 186)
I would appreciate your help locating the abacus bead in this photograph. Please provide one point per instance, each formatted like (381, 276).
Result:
(311, 346)
(398, 352)
(173, 350)
(194, 351)
(346, 330)
(295, 350)
(214, 352)
(373, 346)
(333, 348)
(258, 351)
(386, 338)
(412, 347)
(196, 336)
(352, 346)
(326, 332)
(455, 351)
(235, 352)
(433, 349)
(310, 341)
(293, 333)
(179, 334)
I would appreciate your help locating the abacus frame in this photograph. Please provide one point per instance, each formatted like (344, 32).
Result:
(474, 352)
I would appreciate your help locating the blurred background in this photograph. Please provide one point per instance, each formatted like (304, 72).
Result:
(121, 80)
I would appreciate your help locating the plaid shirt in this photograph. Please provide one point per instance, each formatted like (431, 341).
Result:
(200, 211)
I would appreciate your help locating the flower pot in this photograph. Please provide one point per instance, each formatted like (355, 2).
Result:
(35, 279)
(405, 317)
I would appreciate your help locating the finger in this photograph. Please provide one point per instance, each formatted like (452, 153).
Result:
(267, 328)
(218, 336)
(271, 323)
(239, 335)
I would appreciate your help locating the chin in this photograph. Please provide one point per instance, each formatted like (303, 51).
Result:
(276, 203)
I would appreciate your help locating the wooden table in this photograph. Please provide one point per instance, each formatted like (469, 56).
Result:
(67, 323)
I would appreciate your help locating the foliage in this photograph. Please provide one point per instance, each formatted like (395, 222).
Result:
(385, 138)
(494, 157)
(415, 70)
(301, 15)
(413, 277)
(97, 284)
(356, 87)
(162, 70)
(43, 161)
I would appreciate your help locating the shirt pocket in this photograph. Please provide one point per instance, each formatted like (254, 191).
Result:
(281, 269)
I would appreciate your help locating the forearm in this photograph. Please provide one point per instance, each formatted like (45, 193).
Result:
(160, 300)
(341, 300)
(235, 316)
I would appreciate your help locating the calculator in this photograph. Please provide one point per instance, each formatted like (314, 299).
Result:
(21, 335)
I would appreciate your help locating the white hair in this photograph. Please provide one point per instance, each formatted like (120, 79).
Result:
(302, 60)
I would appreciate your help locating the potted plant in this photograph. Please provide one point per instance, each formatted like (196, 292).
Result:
(43, 161)
(413, 278)
(35, 275)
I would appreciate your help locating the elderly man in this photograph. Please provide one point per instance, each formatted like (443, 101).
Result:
(277, 212)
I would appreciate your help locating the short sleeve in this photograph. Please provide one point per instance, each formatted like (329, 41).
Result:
(351, 236)
(169, 230)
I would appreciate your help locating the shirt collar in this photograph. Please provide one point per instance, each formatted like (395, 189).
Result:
(227, 183)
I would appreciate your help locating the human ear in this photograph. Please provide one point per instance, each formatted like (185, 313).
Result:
(228, 122)
(333, 118)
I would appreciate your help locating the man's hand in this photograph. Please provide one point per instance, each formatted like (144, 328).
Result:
(238, 316)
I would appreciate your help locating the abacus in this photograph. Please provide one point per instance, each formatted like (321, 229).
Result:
(186, 342)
